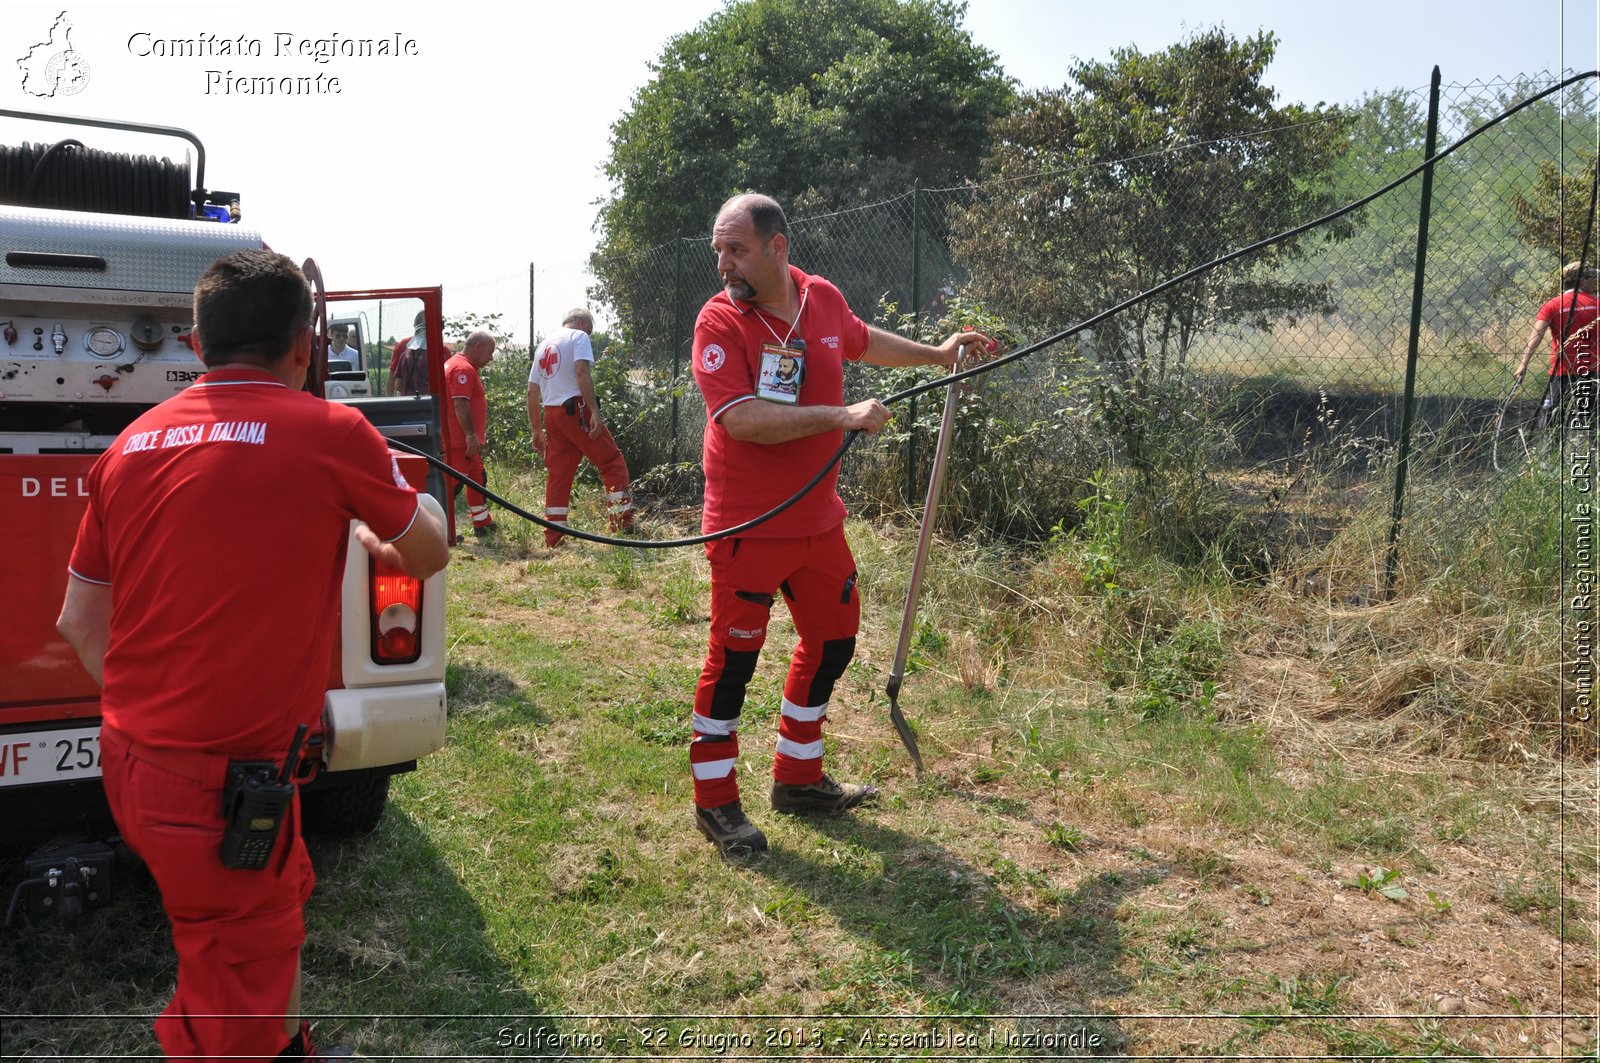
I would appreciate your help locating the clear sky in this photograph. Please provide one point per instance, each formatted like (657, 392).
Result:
(479, 150)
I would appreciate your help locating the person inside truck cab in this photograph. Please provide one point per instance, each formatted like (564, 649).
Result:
(203, 596)
(339, 348)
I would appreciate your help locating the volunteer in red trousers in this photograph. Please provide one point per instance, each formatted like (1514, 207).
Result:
(769, 355)
(204, 596)
(468, 417)
(567, 427)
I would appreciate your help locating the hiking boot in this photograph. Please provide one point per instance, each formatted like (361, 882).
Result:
(304, 1047)
(726, 827)
(318, 1053)
(824, 795)
(483, 531)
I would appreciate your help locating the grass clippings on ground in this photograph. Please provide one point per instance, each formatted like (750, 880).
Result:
(1157, 822)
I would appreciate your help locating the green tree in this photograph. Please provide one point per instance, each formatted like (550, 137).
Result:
(1497, 205)
(824, 104)
(1550, 213)
(1152, 165)
(1387, 138)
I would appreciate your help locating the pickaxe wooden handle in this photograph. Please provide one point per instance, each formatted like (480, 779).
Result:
(908, 621)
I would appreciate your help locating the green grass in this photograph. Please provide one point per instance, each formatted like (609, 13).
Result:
(1068, 852)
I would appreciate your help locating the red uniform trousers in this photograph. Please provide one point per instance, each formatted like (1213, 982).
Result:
(237, 933)
(477, 505)
(817, 576)
(568, 443)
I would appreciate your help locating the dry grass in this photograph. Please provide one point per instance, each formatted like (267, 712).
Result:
(1158, 800)
(1329, 352)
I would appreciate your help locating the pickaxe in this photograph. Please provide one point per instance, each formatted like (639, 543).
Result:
(908, 622)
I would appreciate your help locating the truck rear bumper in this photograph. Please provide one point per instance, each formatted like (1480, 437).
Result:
(376, 726)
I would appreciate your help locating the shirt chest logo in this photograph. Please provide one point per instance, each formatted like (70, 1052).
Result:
(830, 341)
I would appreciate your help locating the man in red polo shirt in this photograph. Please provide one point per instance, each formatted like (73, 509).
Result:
(203, 596)
(1571, 319)
(769, 355)
(469, 418)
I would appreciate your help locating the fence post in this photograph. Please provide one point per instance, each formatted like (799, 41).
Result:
(1403, 453)
(916, 322)
(677, 336)
(532, 334)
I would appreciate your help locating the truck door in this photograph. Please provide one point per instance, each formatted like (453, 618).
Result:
(414, 417)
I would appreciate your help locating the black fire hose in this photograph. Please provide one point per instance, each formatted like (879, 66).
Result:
(611, 540)
(950, 380)
(990, 366)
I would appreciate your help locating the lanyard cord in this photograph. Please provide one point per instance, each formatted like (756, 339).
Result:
(756, 310)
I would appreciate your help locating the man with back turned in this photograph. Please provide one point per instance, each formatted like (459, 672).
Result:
(203, 595)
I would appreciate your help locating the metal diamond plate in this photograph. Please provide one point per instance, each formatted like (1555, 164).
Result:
(142, 254)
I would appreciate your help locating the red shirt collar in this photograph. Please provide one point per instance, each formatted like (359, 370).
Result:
(239, 374)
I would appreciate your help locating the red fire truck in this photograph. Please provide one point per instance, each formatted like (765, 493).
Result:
(96, 287)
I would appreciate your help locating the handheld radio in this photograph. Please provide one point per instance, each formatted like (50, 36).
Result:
(255, 803)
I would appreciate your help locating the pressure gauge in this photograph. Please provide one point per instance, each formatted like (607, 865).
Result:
(146, 332)
(103, 341)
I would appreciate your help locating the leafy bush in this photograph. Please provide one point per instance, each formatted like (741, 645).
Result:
(1024, 441)
(638, 403)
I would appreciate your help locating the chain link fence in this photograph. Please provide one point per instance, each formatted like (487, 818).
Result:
(1267, 396)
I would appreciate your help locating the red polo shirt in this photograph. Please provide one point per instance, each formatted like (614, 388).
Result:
(744, 480)
(461, 381)
(220, 520)
(1574, 321)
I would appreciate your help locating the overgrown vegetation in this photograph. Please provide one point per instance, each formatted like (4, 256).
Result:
(1240, 398)
(823, 106)
(1153, 790)
(1194, 773)
(1091, 216)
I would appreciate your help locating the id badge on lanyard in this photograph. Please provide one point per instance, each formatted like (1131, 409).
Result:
(782, 371)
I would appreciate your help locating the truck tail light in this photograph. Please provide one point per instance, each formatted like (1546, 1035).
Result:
(396, 615)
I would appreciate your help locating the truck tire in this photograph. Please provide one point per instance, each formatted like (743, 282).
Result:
(352, 807)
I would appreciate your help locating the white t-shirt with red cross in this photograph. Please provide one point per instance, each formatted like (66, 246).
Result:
(555, 365)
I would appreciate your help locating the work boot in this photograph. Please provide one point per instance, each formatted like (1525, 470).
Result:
(483, 531)
(304, 1047)
(726, 827)
(319, 1053)
(824, 795)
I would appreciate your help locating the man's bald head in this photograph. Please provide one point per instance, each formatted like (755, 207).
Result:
(766, 216)
(751, 241)
(479, 349)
